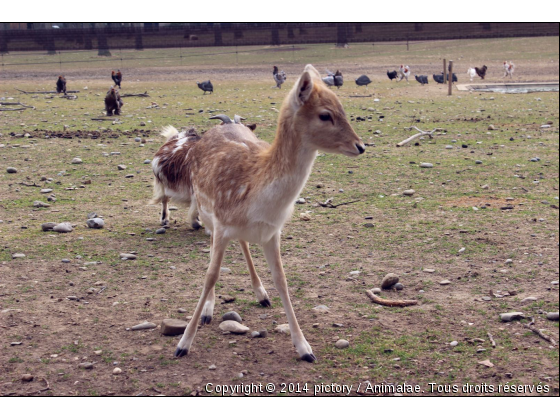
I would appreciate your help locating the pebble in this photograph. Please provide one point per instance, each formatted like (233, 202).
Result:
(376, 291)
(305, 217)
(444, 282)
(48, 226)
(552, 316)
(449, 146)
(283, 328)
(225, 270)
(389, 281)
(462, 250)
(18, 255)
(26, 377)
(76, 161)
(227, 298)
(509, 261)
(11, 170)
(147, 161)
(212, 367)
(182, 310)
(117, 371)
(233, 327)
(46, 190)
(144, 326)
(232, 316)
(263, 333)
(172, 326)
(300, 201)
(369, 225)
(63, 227)
(399, 286)
(95, 223)
(125, 256)
(409, 193)
(426, 165)
(161, 231)
(321, 309)
(528, 299)
(342, 344)
(478, 162)
(453, 343)
(86, 365)
(255, 334)
(511, 316)
(121, 167)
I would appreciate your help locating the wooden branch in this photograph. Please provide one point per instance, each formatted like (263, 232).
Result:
(389, 302)
(421, 133)
(491, 339)
(13, 109)
(103, 119)
(540, 334)
(46, 91)
(330, 205)
(142, 95)
(69, 97)
(360, 96)
(16, 103)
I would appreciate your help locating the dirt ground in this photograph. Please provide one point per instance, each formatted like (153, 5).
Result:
(67, 307)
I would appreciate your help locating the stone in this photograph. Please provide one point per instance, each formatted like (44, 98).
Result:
(528, 299)
(147, 161)
(511, 316)
(63, 227)
(283, 328)
(225, 270)
(233, 327)
(376, 291)
(76, 161)
(399, 286)
(11, 170)
(389, 281)
(26, 377)
(227, 298)
(305, 217)
(263, 333)
(48, 226)
(342, 344)
(409, 193)
(86, 365)
(18, 255)
(144, 326)
(552, 316)
(40, 204)
(232, 316)
(445, 282)
(121, 167)
(321, 309)
(453, 343)
(426, 165)
(171, 326)
(369, 225)
(486, 363)
(255, 334)
(212, 367)
(117, 371)
(95, 223)
(161, 231)
(125, 256)
(92, 215)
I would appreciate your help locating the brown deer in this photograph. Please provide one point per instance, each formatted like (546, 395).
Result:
(244, 189)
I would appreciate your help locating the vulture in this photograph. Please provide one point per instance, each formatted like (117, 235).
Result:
(113, 102)
(117, 77)
(279, 77)
(363, 80)
(206, 86)
(421, 79)
(392, 74)
(61, 85)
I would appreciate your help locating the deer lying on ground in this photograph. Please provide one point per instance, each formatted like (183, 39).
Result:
(244, 189)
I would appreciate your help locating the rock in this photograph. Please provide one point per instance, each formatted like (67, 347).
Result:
(263, 333)
(92, 215)
(478, 162)
(491, 127)
(283, 328)
(462, 250)
(76, 161)
(48, 226)
(233, 327)
(376, 290)
(95, 223)
(444, 282)
(486, 363)
(426, 165)
(227, 298)
(172, 326)
(129, 176)
(125, 256)
(453, 343)
(232, 316)
(121, 167)
(409, 193)
(147, 161)
(63, 227)
(26, 377)
(389, 281)
(255, 334)
(552, 316)
(429, 270)
(225, 270)
(369, 225)
(354, 273)
(117, 371)
(11, 170)
(511, 316)
(305, 217)
(528, 299)
(300, 201)
(144, 326)
(399, 286)
(342, 344)
(18, 255)
(212, 367)
(161, 231)
(86, 365)
(321, 309)
(40, 204)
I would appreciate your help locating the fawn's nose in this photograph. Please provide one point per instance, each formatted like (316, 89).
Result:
(360, 148)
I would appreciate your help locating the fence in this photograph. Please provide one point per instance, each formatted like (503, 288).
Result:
(104, 39)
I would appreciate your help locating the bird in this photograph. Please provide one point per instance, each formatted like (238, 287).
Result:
(113, 101)
(363, 80)
(117, 78)
(453, 79)
(338, 79)
(481, 71)
(392, 74)
(438, 78)
(404, 72)
(508, 68)
(471, 72)
(329, 79)
(206, 86)
(421, 79)
(61, 85)
(279, 77)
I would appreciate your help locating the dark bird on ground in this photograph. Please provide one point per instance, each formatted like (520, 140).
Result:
(454, 79)
(438, 78)
(338, 79)
(113, 102)
(481, 71)
(206, 86)
(117, 77)
(363, 80)
(421, 79)
(392, 74)
(61, 85)
(279, 77)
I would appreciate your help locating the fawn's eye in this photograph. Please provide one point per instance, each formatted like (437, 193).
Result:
(325, 117)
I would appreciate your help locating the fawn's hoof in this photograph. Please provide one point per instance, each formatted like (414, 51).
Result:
(309, 357)
(179, 352)
(266, 303)
(205, 319)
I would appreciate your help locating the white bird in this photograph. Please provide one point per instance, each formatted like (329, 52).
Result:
(508, 69)
(471, 72)
(329, 79)
(404, 72)
(279, 77)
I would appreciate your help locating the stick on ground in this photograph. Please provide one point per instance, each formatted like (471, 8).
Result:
(389, 302)
(421, 133)
(540, 334)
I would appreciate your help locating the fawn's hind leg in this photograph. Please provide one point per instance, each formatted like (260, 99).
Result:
(262, 296)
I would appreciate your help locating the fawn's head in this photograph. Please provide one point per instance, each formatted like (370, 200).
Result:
(318, 117)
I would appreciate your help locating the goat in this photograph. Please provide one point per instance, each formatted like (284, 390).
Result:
(245, 188)
(392, 74)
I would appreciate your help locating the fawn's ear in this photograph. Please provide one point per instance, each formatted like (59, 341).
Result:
(302, 90)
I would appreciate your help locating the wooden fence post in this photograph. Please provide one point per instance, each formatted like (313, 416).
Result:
(450, 77)
(444, 70)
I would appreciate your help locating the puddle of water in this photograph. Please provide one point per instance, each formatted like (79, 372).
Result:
(517, 88)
